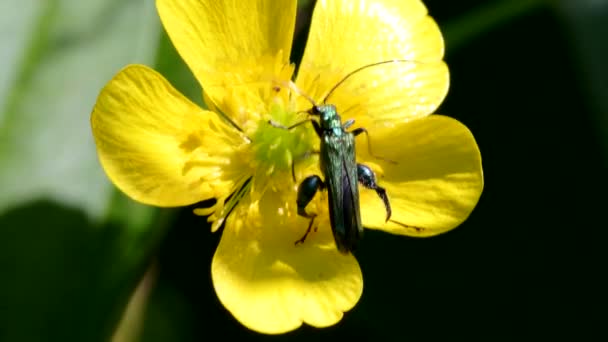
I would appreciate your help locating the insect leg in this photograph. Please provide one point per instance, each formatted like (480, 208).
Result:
(303, 238)
(306, 192)
(367, 178)
(360, 130)
(315, 125)
(278, 125)
(417, 229)
(348, 123)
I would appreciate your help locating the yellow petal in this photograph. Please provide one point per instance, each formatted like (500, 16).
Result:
(271, 285)
(436, 183)
(224, 41)
(346, 35)
(157, 146)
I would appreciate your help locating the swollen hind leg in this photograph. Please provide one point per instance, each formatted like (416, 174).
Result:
(306, 192)
(367, 178)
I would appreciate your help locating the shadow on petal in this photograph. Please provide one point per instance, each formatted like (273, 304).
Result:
(272, 285)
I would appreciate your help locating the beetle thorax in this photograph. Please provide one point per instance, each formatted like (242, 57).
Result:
(328, 117)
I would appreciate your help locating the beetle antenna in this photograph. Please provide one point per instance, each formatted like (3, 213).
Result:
(291, 85)
(362, 68)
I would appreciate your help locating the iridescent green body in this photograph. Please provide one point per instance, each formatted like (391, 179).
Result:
(342, 174)
(339, 167)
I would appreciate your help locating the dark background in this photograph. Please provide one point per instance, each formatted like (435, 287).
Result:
(527, 78)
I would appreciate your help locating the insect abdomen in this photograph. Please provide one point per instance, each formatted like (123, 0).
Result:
(339, 167)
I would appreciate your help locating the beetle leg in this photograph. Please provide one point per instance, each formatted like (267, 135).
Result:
(303, 238)
(306, 192)
(349, 123)
(287, 128)
(315, 125)
(367, 178)
(360, 130)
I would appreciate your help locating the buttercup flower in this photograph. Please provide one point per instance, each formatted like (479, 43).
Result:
(161, 149)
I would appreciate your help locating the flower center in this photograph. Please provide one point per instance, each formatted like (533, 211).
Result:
(276, 149)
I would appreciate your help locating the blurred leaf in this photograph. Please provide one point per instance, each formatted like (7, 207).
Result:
(72, 249)
(59, 54)
(65, 278)
(484, 18)
(131, 324)
(587, 31)
(16, 32)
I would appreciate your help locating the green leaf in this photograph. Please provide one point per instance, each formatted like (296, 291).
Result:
(490, 15)
(72, 248)
(65, 278)
(60, 53)
(585, 21)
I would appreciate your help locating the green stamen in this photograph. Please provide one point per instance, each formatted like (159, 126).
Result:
(274, 148)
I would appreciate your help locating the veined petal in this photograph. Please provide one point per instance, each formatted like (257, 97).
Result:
(271, 285)
(157, 146)
(346, 35)
(231, 41)
(436, 183)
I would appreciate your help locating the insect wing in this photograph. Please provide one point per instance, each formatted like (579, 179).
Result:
(338, 160)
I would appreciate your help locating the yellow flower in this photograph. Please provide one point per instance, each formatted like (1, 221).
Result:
(161, 149)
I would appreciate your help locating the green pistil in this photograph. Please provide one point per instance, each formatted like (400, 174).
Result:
(276, 148)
